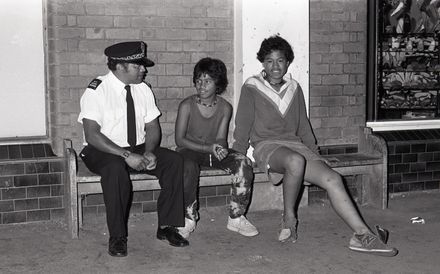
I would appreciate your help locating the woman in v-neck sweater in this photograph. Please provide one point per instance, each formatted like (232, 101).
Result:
(271, 116)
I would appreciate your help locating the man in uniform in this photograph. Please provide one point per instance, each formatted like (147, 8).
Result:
(122, 133)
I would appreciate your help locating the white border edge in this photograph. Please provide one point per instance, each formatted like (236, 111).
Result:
(404, 125)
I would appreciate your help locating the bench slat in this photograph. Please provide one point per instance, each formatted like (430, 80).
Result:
(335, 161)
(151, 182)
(353, 159)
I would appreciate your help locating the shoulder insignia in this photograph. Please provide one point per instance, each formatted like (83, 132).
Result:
(94, 84)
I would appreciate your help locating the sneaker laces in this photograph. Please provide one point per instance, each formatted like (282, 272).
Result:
(367, 239)
(382, 233)
(245, 221)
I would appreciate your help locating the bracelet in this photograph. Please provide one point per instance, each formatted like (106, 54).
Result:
(126, 154)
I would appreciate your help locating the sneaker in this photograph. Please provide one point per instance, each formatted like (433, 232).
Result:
(288, 233)
(189, 227)
(242, 226)
(372, 243)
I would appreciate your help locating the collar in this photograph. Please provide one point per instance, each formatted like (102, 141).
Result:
(117, 84)
(282, 99)
(288, 80)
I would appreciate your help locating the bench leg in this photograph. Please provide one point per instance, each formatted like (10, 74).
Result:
(70, 190)
(266, 196)
(73, 217)
(376, 187)
(72, 207)
(80, 212)
(304, 197)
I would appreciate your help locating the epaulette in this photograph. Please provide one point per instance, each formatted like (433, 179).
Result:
(148, 84)
(94, 84)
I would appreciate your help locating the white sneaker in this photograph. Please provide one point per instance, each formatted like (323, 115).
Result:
(189, 227)
(242, 226)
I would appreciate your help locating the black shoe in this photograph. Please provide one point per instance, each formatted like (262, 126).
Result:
(171, 234)
(117, 246)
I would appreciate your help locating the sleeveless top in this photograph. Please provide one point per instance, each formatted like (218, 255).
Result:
(201, 129)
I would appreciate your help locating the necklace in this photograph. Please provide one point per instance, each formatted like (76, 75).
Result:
(276, 84)
(199, 101)
(273, 83)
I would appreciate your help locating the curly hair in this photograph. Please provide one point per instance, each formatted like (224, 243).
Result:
(273, 43)
(215, 68)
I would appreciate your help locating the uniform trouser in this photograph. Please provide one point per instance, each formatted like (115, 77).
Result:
(117, 187)
(238, 165)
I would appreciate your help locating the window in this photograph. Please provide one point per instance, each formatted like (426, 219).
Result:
(403, 65)
(22, 73)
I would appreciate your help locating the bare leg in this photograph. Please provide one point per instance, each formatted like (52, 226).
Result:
(320, 174)
(292, 165)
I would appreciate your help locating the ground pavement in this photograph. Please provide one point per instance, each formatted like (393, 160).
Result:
(321, 246)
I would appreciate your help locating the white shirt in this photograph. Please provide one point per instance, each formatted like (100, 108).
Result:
(107, 106)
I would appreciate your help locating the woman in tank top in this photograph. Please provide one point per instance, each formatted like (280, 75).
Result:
(201, 136)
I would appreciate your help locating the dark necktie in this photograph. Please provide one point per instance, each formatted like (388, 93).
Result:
(131, 120)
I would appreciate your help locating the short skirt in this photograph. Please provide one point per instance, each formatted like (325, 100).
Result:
(264, 150)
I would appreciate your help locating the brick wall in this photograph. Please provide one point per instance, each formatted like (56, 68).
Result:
(31, 184)
(413, 160)
(413, 166)
(146, 201)
(337, 69)
(178, 34)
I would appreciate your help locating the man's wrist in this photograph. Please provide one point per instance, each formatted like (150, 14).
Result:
(125, 154)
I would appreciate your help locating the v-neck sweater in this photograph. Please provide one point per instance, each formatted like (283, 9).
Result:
(265, 114)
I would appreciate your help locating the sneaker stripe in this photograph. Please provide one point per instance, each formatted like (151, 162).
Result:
(381, 252)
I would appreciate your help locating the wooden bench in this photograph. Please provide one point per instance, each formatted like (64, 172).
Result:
(370, 161)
